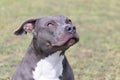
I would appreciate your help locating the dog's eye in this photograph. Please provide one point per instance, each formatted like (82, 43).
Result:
(68, 21)
(50, 24)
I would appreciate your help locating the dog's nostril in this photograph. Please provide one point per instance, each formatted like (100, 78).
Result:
(74, 28)
(68, 28)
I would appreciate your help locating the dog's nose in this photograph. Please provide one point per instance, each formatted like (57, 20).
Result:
(70, 28)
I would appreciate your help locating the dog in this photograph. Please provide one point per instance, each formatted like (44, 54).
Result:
(45, 57)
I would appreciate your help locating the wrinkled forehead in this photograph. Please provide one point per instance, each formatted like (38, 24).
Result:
(57, 18)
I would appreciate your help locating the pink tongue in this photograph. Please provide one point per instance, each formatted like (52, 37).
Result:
(71, 42)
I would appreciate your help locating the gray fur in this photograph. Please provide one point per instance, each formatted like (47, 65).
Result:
(49, 36)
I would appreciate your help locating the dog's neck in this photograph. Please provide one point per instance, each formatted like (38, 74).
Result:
(49, 68)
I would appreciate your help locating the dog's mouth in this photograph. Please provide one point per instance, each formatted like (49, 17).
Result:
(71, 41)
(66, 41)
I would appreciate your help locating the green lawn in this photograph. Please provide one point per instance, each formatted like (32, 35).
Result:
(95, 57)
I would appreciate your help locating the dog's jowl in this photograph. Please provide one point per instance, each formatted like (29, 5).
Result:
(45, 57)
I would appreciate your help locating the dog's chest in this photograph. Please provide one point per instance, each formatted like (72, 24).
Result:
(49, 68)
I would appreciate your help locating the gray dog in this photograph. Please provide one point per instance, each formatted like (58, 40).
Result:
(45, 57)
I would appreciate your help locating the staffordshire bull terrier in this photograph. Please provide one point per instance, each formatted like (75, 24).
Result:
(45, 57)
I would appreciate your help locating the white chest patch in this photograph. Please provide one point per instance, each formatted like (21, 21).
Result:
(49, 68)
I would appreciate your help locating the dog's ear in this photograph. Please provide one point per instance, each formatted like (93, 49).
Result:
(27, 26)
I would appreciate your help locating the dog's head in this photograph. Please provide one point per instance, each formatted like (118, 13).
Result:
(51, 32)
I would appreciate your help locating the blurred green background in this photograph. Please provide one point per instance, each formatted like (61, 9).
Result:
(95, 57)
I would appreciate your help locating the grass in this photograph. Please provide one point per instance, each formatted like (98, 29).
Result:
(95, 57)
